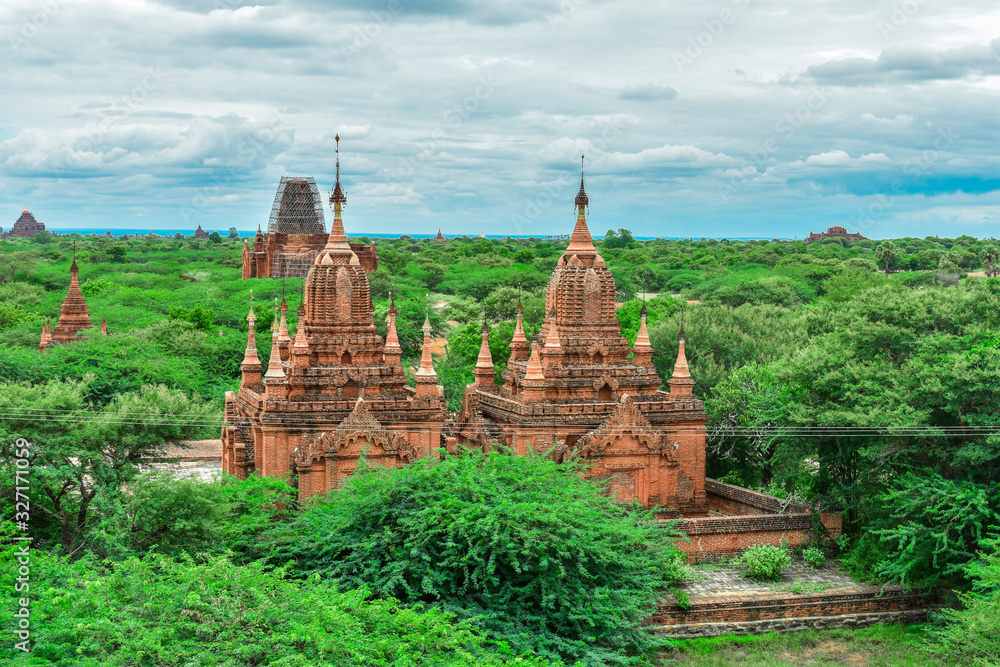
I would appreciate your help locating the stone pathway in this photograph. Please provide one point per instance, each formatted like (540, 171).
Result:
(201, 459)
(728, 580)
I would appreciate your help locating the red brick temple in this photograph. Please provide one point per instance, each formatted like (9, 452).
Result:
(74, 316)
(336, 392)
(296, 234)
(835, 232)
(575, 391)
(25, 227)
(198, 233)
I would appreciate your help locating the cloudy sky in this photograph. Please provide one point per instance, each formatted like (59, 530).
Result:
(738, 118)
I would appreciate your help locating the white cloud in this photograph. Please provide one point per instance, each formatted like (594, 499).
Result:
(442, 99)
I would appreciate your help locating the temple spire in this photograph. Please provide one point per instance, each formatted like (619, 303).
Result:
(581, 241)
(337, 246)
(73, 316)
(274, 369)
(250, 366)
(552, 339)
(300, 330)
(680, 382)
(426, 369)
(642, 351)
(391, 335)
(425, 377)
(519, 348)
(484, 371)
(534, 368)
(283, 309)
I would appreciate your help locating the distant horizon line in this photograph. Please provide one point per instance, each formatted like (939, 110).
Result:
(122, 231)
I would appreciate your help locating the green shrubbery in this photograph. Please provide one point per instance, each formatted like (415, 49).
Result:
(523, 546)
(813, 556)
(206, 610)
(763, 562)
(971, 635)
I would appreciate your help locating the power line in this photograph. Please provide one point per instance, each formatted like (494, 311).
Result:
(300, 423)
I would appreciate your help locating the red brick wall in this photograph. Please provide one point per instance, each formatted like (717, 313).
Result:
(737, 608)
(751, 518)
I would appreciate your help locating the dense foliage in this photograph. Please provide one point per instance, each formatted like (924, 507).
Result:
(971, 635)
(160, 611)
(523, 545)
(858, 376)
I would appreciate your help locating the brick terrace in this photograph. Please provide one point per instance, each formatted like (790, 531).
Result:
(723, 602)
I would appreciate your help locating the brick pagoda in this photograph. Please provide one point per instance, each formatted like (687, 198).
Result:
(835, 232)
(296, 235)
(575, 391)
(74, 316)
(25, 226)
(198, 233)
(336, 392)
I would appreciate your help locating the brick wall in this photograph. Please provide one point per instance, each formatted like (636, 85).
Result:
(737, 500)
(749, 518)
(742, 608)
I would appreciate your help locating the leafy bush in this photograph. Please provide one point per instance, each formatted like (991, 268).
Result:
(12, 315)
(935, 526)
(813, 556)
(20, 294)
(972, 634)
(169, 515)
(209, 611)
(533, 553)
(202, 318)
(915, 278)
(776, 290)
(764, 562)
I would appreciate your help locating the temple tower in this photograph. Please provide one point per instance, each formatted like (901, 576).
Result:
(579, 390)
(74, 316)
(309, 414)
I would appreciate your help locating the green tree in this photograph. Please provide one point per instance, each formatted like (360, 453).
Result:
(18, 260)
(621, 239)
(117, 253)
(658, 308)
(215, 237)
(886, 252)
(12, 314)
(171, 515)
(934, 527)
(78, 452)
(745, 411)
(234, 233)
(202, 318)
(515, 543)
(972, 633)
(990, 257)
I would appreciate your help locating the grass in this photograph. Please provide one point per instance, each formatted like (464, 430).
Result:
(876, 646)
(804, 587)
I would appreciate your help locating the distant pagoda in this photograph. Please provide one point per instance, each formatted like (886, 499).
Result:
(200, 233)
(74, 316)
(25, 227)
(835, 232)
(296, 234)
